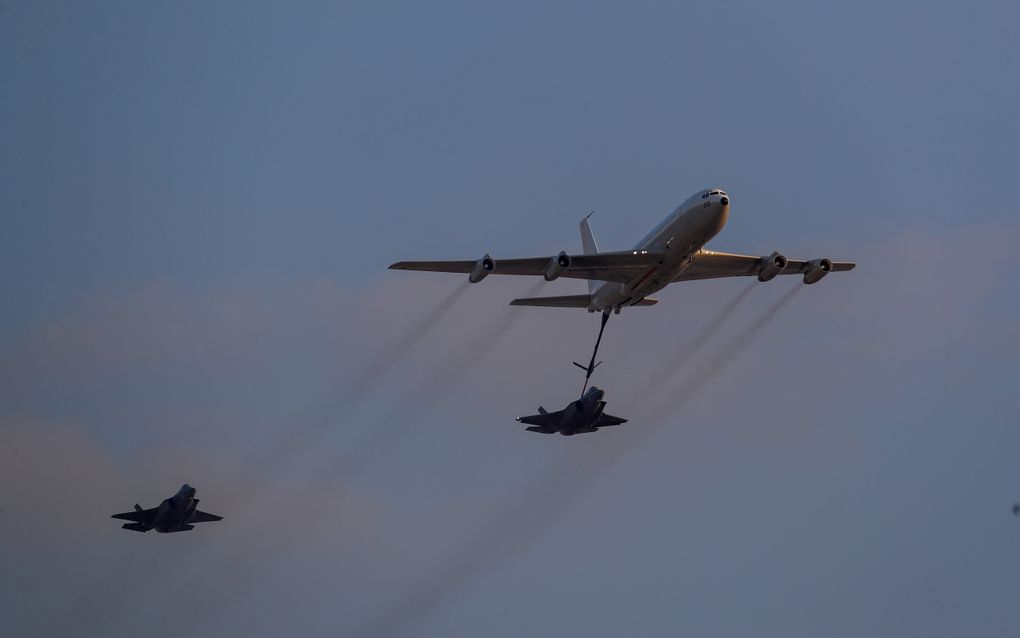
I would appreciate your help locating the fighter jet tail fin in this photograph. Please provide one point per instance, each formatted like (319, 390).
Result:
(542, 410)
(139, 508)
(135, 527)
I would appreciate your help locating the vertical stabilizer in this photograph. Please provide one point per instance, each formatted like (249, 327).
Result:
(589, 247)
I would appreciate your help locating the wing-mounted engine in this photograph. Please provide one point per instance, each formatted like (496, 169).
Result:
(482, 268)
(771, 266)
(556, 266)
(817, 269)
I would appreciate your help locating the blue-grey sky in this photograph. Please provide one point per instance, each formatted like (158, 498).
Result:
(198, 205)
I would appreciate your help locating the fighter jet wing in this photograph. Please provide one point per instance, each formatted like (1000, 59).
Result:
(709, 264)
(548, 419)
(137, 516)
(544, 421)
(204, 517)
(608, 419)
(616, 266)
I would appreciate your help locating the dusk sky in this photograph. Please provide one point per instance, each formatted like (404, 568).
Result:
(199, 203)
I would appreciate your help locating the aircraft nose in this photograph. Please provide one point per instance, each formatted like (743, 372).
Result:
(725, 201)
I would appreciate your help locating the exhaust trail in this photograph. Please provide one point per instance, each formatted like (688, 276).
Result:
(393, 424)
(266, 466)
(708, 370)
(385, 432)
(508, 533)
(321, 418)
(389, 357)
(682, 355)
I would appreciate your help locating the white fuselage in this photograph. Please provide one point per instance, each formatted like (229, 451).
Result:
(677, 238)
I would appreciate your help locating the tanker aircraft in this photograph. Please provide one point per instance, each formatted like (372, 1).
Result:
(674, 251)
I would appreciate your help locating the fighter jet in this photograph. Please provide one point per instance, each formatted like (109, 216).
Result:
(176, 514)
(584, 415)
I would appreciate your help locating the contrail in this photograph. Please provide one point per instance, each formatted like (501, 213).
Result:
(266, 466)
(708, 369)
(432, 391)
(683, 355)
(386, 430)
(326, 414)
(552, 493)
(307, 428)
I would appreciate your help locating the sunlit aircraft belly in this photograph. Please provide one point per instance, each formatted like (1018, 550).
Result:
(678, 241)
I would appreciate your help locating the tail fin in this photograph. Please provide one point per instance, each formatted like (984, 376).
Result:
(589, 247)
(542, 410)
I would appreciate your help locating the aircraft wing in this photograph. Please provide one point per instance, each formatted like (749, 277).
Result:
(204, 517)
(709, 264)
(618, 266)
(137, 516)
(545, 420)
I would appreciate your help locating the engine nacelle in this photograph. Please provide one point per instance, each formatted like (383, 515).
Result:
(817, 269)
(771, 266)
(556, 266)
(482, 268)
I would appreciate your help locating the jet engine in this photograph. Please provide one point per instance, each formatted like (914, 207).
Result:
(771, 266)
(482, 268)
(556, 266)
(817, 269)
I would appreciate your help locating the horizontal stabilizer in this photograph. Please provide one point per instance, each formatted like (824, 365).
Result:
(608, 419)
(204, 517)
(540, 430)
(571, 301)
(647, 301)
(564, 301)
(135, 527)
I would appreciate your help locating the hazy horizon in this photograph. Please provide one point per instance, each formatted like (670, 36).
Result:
(199, 207)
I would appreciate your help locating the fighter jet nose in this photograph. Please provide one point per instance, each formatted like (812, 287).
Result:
(725, 201)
